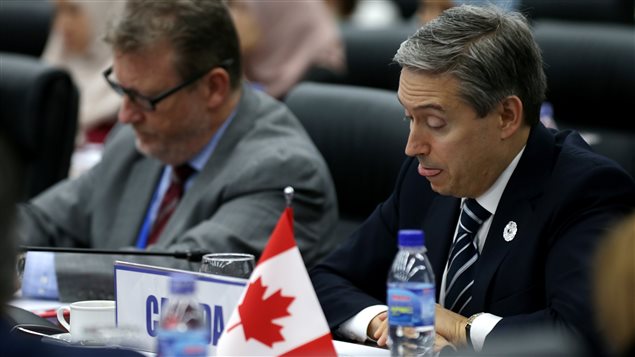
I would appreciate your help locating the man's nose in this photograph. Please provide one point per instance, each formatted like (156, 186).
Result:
(418, 142)
(129, 112)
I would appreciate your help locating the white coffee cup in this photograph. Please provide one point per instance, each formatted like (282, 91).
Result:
(87, 318)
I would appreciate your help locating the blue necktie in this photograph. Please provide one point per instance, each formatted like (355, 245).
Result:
(463, 257)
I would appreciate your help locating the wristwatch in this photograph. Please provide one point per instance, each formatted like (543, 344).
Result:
(468, 327)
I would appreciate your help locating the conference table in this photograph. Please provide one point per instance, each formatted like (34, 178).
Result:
(47, 307)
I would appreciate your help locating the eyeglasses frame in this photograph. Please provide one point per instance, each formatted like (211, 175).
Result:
(134, 95)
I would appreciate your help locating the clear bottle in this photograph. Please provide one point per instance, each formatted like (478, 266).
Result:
(411, 298)
(546, 115)
(182, 330)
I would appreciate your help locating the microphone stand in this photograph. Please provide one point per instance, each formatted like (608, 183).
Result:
(190, 255)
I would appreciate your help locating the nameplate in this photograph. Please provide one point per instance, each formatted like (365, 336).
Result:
(141, 291)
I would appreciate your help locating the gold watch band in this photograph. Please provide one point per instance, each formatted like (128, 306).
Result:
(468, 327)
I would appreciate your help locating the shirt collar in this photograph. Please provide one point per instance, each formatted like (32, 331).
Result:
(489, 200)
(199, 161)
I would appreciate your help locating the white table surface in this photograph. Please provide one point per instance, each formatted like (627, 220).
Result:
(343, 349)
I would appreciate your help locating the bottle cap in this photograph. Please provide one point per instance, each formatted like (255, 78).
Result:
(411, 238)
(546, 109)
(182, 283)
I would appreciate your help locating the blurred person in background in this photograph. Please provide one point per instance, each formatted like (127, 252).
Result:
(614, 287)
(365, 14)
(282, 40)
(76, 44)
(430, 9)
(342, 9)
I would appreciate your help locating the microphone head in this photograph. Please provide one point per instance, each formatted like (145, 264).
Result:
(194, 255)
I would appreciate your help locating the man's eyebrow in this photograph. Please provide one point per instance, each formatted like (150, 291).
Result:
(424, 106)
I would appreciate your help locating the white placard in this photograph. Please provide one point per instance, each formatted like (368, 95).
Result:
(141, 290)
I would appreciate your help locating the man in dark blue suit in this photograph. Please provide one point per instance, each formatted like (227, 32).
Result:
(471, 85)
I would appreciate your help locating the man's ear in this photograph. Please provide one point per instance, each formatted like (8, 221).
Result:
(511, 116)
(217, 87)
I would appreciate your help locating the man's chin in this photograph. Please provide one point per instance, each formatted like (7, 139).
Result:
(162, 154)
(142, 147)
(440, 189)
(146, 149)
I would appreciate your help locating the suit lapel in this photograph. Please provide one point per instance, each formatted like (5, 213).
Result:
(203, 184)
(516, 205)
(438, 226)
(130, 212)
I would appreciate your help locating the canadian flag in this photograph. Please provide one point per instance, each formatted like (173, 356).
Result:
(279, 313)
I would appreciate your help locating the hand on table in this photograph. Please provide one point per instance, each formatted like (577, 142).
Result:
(440, 342)
(450, 326)
(378, 329)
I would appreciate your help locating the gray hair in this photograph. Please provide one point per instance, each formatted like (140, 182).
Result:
(201, 31)
(491, 52)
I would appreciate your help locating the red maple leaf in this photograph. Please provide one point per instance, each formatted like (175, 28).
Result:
(257, 314)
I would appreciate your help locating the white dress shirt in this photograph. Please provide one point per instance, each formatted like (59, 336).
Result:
(355, 327)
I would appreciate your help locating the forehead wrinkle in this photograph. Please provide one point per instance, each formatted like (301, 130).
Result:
(158, 57)
(440, 92)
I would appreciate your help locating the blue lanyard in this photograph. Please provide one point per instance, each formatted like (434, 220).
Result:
(142, 239)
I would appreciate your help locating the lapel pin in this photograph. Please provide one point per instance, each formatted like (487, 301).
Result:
(510, 231)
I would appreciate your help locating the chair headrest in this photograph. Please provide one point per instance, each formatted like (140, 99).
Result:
(32, 20)
(38, 113)
(27, 86)
(590, 71)
(360, 133)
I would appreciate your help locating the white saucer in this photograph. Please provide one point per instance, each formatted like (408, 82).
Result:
(58, 338)
(65, 338)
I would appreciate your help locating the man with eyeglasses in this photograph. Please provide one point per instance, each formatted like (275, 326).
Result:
(200, 163)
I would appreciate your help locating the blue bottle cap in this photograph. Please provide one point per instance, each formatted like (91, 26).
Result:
(546, 109)
(411, 238)
(182, 283)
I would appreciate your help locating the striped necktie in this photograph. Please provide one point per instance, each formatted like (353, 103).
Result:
(463, 256)
(170, 200)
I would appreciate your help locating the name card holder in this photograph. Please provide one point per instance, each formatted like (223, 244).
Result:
(141, 290)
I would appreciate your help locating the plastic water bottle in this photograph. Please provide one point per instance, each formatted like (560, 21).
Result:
(546, 115)
(411, 298)
(182, 330)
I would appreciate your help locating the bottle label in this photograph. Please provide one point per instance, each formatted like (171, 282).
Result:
(192, 343)
(411, 304)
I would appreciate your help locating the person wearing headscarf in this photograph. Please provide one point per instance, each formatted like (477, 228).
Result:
(282, 40)
(75, 43)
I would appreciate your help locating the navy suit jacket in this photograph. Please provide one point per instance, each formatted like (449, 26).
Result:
(562, 197)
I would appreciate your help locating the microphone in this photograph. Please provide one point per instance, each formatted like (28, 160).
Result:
(194, 255)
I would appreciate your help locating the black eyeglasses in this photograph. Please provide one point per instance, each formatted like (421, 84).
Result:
(147, 103)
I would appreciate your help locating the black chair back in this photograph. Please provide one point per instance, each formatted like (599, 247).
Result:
(607, 11)
(25, 26)
(38, 110)
(369, 54)
(362, 137)
(591, 83)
